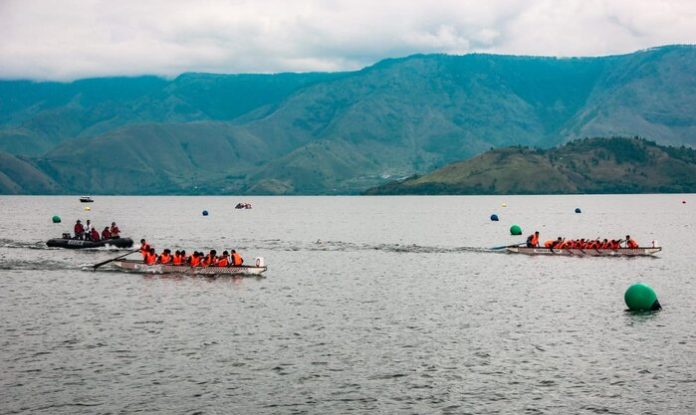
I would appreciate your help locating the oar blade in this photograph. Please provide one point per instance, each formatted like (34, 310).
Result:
(95, 266)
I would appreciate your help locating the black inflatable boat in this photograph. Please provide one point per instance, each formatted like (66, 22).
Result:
(81, 244)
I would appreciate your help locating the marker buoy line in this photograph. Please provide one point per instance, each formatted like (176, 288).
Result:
(641, 297)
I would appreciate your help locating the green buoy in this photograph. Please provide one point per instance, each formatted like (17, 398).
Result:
(56, 219)
(515, 230)
(641, 297)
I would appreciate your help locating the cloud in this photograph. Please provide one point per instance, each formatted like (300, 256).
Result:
(69, 39)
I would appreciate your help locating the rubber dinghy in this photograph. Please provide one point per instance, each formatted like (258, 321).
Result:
(139, 266)
(642, 251)
(70, 243)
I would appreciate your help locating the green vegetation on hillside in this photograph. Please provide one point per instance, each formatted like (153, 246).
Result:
(598, 165)
(337, 133)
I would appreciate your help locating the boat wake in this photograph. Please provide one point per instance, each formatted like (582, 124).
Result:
(341, 246)
(10, 243)
(26, 265)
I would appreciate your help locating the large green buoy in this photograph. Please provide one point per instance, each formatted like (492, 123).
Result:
(56, 219)
(641, 297)
(515, 230)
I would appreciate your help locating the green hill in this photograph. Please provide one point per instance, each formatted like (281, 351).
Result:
(336, 133)
(19, 176)
(598, 165)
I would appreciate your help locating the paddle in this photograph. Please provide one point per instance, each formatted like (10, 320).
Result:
(114, 259)
(507, 246)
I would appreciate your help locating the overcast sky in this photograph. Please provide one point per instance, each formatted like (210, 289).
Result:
(69, 39)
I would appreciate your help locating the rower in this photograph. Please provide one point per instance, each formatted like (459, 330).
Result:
(115, 231)
(79, 230)
(106, 234)
(144, 248)
(210, 260)
(630, 243)
(195, 259)
(165, 258)
(533, 240)
(224, 259)
(177, 258)
(237, 260)
(151, 257)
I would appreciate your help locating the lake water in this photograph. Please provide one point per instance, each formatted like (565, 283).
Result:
(369, 305)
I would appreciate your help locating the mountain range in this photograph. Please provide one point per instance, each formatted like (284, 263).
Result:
(329, 133)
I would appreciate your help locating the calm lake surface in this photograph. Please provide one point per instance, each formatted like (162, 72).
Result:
(369, 305)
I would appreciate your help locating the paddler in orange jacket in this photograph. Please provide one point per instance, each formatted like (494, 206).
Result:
(194, 259)
(630, 243)
(237, 260)
(144, 248)
(151, 257)
(210, 260)
(177, 259)
(224, 259)
(165, 258)
(535, 239)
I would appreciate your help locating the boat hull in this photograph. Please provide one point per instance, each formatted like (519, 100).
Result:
(139, 266)
(82, 244)
(622, 252)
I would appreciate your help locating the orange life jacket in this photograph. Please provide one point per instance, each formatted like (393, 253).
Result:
(549, 243)
(208, 261)
(535, 240)
(144, 249)
(150, 259)
(631, 244)
(237, 259)
(223, 262)
(165, 258)
(195, 261)
(177, 260)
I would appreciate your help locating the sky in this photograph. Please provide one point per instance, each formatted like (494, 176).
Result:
(71, 39)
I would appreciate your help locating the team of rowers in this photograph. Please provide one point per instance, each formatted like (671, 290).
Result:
(562, 243)
(90, 233)
(196, 259)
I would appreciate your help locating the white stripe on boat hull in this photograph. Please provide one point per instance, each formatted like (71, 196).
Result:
(585, 252)
(139, 266)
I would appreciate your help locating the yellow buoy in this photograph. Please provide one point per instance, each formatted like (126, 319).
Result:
(504, 205)
(87, 208)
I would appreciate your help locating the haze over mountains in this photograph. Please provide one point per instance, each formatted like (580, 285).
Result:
(325, 133)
